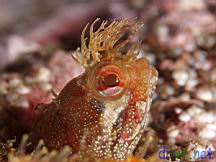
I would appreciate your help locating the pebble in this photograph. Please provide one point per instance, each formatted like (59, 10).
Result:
(178, 110)
(23, 90)
(207, 133)
(181, 77)
(211, 126)
(14, 82)
(184, 117)
(205, 93)
(165, 90)
(206, 117)
(173, 132)
(191, 84)
(43, 75)
(186, 78)
(194, 110)
(45, 86)
(188, 5)
(192, 81)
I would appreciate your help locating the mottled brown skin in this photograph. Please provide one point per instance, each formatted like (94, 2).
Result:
(94, 113)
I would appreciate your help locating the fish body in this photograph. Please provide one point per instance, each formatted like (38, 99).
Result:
(104, 110)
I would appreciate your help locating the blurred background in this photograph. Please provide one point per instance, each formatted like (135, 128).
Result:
(61, 21)
(178, 37)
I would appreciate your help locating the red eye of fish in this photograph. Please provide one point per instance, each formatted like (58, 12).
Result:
(109, 81)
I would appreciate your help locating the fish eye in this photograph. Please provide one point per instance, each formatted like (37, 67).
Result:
(108, 81)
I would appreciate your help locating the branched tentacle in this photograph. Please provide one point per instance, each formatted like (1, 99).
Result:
(106, 43)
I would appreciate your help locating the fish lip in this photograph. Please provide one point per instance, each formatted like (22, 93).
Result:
(90, 87)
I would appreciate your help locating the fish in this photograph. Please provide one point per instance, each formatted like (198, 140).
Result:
(103, 111)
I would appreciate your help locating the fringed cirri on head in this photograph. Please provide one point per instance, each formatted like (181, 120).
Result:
(107, 42)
